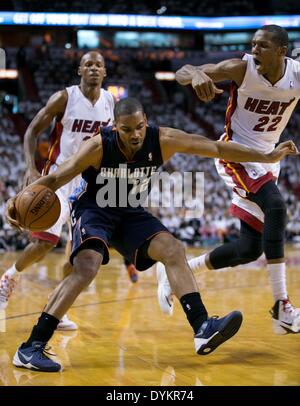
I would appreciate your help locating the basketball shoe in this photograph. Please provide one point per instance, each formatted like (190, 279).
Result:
(132, 273)
(66, 324)
(164, 291)
(285, 318)
(215, 331)
(35, 358)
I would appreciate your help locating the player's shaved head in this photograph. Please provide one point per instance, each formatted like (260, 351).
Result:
(280, 35)
(91, 55)
(126, 107)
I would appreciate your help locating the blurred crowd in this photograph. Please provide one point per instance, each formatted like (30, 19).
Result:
(209, 8)
(166, 104)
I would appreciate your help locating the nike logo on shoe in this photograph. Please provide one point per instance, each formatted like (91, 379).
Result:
(27, 359)
(287, 324)
(167, 300)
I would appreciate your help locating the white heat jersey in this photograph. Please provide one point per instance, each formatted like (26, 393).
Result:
(258, 111)
(80, 121)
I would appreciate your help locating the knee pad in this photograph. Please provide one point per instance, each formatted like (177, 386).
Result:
(274, 228)
(275, 218)
(242, 251)
(248, 250)
(269, 199)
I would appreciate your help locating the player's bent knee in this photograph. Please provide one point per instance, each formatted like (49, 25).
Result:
(173, 250)
(84, 273)
(87, 264)
(251, 253)
(166, 248)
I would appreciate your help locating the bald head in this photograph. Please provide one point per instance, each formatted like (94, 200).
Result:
(92, 69)
(95, 55)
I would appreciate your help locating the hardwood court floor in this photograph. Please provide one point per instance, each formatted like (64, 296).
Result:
(123, 339)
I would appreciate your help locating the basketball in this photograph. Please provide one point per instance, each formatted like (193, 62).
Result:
(37, 208)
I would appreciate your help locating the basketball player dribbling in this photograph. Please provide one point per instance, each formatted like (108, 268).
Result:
(131, 152)
(264, 92)
(78, 112)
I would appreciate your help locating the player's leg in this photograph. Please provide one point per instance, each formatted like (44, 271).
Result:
(65, 323)
(67, 267)
(131, 269)
(85, 267)
(34, 252)
(31, 353)
(146, 241)
(247, 248)
(209, 332)
(90, 232)
(286, 318)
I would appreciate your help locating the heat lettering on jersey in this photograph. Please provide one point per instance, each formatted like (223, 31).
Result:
(88, 126)
(267, 107)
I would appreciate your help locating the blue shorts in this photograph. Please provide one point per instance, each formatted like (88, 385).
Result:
(125, 229)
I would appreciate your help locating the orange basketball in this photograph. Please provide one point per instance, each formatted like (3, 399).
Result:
(37, 208)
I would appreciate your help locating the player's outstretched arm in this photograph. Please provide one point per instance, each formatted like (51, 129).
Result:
(54, 108)
(172, 141)
(89, 154)
(203, 78)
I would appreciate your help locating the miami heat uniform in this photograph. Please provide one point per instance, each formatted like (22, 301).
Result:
(256, 115)
(81, 120)
(120, 225)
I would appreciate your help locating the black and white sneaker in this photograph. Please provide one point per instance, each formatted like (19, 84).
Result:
(215, 331)
(35, 358)
(285, 318)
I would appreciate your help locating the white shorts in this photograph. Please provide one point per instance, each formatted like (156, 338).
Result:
(52, 235)
(244, 178)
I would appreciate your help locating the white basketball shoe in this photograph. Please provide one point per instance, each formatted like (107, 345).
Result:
(285, 318)
(66, 324)
(164, 291)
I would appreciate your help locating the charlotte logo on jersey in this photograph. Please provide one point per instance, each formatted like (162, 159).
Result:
(144, 186)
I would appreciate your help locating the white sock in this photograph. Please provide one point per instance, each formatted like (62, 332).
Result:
(12, 271)
(197, 263)
(278, 281)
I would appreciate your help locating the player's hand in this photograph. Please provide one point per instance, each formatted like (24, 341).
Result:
(31, 175)
(282, 150)
(204, 86)
(11, 213)
(185, 74)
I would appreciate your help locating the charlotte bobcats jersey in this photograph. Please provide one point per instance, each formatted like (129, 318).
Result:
(258, 111)
(135, 174)
(80, 121)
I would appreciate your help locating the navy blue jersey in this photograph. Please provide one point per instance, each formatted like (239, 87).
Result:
(134, 174)
(126, 227)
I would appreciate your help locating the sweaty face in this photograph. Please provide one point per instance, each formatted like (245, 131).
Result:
(266, 52)
(132, 130)
(92, 68)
